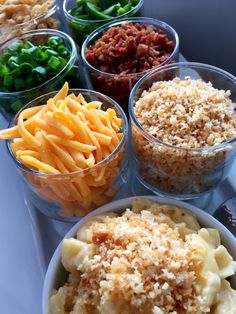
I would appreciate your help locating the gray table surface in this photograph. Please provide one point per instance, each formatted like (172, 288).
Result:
(28, 238)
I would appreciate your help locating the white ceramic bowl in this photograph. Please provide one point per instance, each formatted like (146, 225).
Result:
(56, 274)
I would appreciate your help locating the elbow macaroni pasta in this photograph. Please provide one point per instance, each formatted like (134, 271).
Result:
(64, 141)
(213, 264)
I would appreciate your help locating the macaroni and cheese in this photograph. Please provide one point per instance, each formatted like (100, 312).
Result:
(153, 259)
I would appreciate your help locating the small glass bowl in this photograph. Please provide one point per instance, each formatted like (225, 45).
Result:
(168, 170)
(45, 20)
(11, 102)
(119, 86)
(63, 196)
(80, 29)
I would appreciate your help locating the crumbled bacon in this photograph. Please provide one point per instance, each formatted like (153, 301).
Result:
(118, 48)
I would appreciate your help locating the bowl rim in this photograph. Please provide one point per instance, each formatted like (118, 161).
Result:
(177, 65)
(74, 19)
(38, 32)
(142, 20)
(100, 163)
(118, 206)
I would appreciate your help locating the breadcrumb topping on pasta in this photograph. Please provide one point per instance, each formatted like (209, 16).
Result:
(143, 263)
(153, 259)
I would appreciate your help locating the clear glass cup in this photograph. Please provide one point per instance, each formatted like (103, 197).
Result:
(11, 102)
(168, 170)
(119, 86)
(80, 29)
(46, 19)
(68, 196)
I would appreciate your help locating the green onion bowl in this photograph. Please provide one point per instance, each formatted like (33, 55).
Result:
(35, 63)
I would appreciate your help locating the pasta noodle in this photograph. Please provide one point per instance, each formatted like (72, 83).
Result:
(68, 135)
(152, 258)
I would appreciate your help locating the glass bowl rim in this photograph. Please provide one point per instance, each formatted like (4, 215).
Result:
(194, 65)
(39, 32)
(61, 175)
(179, 197)
(76, 20)
(37, 19)
(142, 20)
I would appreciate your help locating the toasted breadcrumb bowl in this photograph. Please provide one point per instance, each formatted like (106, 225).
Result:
(183, 124)
(56, 274)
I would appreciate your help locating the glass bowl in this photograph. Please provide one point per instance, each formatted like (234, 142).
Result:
(175, 171)
(81, 28)
(56, 195)
(11, 102)
(46, 19)
(119, 86)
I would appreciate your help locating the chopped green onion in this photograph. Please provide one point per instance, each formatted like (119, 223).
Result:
(54, 62)
(4, 58)
(3, 90)
(25, 56)
(41, 55)
(54, 41)
(63, 51)
(19, 84)
(28, 44)
(25, 67)
(40, 73)
(52, 52)
(3, 70)
(63, 63)
(16, 105)
(13, 62)
(8, 81)
(16, 73)
(29, 82)
(14, 47)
